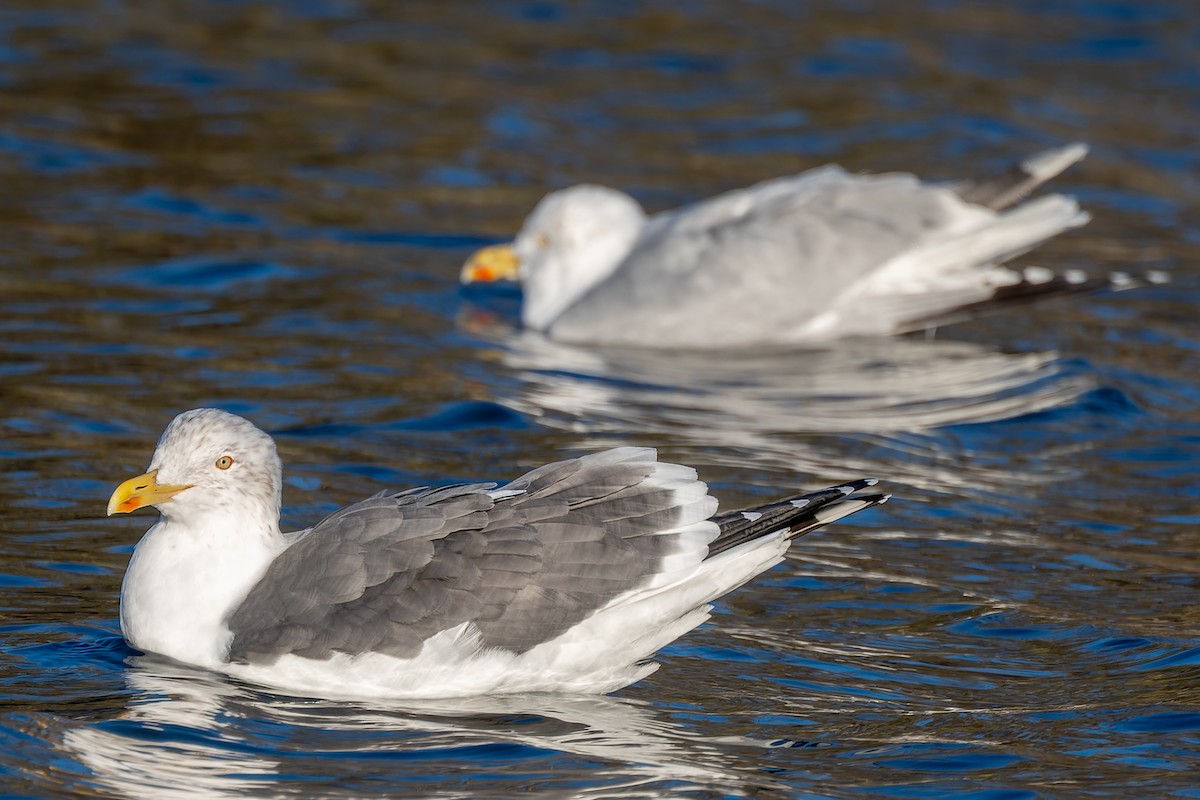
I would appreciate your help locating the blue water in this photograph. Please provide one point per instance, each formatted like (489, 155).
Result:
(265, 206)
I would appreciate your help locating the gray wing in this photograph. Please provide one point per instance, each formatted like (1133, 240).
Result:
(750, 263)
(523, 563)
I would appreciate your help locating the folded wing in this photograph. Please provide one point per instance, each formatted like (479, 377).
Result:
(523, 563)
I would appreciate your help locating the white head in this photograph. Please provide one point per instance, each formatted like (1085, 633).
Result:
(574, 239)
(208, 461)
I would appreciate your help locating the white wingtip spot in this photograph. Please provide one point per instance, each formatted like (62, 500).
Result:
(1046, 165)
(1075, 276)
(1037, 275)
(845, 489)
(801, 503)
(1001, 277)
(751, 516)
(870, 481)
(1157, 277)
(1120, 280)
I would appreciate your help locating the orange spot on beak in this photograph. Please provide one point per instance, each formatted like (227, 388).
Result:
(491, 264)
(143, 490)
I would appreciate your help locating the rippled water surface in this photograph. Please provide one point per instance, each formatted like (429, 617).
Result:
(265, 206)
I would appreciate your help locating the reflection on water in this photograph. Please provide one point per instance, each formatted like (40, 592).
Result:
(866, 386)
(228, 727)
(752, 405)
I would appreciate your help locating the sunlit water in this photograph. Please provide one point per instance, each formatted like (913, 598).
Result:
(265, 207)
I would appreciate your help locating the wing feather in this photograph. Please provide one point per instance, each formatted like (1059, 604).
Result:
(802, 241)
(522, 564)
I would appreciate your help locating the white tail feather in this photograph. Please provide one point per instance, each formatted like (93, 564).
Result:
(1045, 166)
(949, 272)
(1009, 234)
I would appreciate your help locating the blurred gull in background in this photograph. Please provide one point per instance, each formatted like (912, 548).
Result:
(810, 257)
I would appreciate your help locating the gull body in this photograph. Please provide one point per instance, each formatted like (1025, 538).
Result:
(810, 257)
(566, 579)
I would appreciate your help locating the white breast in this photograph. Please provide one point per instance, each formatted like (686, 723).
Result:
(182, 584)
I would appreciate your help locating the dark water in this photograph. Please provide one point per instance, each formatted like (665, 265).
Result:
(264, 207)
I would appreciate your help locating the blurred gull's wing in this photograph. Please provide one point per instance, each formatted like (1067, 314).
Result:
(751, 265)
(821, 255)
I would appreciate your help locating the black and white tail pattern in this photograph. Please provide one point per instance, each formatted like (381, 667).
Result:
(1033, 282)
(798, 515)
(960, 275)
(1036, 283)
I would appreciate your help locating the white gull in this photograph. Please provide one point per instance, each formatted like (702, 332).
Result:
(810, 257)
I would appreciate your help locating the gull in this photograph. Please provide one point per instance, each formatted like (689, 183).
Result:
(816, 256)
(567, 579)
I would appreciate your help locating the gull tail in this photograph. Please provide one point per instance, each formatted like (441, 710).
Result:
(1020, 180)
(749, 542)
(795, 516)
(936, 281)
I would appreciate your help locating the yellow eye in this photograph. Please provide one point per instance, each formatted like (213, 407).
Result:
(224, 462)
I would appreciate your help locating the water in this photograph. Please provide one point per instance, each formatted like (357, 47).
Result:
(264, 207)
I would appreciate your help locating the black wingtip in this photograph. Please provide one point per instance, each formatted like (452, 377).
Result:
(851, 487)
(1034, 284)
(799, 514)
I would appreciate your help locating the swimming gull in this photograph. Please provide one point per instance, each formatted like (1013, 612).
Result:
(568, 578)
(815, 256)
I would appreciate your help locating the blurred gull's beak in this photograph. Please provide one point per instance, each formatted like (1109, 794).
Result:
(495, 263)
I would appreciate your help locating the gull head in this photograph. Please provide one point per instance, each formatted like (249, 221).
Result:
(207, 459)
(571, 241)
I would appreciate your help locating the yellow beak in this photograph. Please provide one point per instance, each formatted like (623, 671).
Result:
(143, 490)
(495, 263)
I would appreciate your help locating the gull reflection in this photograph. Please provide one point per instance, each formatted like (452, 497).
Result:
(889, 394)
(191, 733)
(170, 743)
(861, 386)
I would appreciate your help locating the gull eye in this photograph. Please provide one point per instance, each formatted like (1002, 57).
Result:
(224, 462)
(541, 240)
